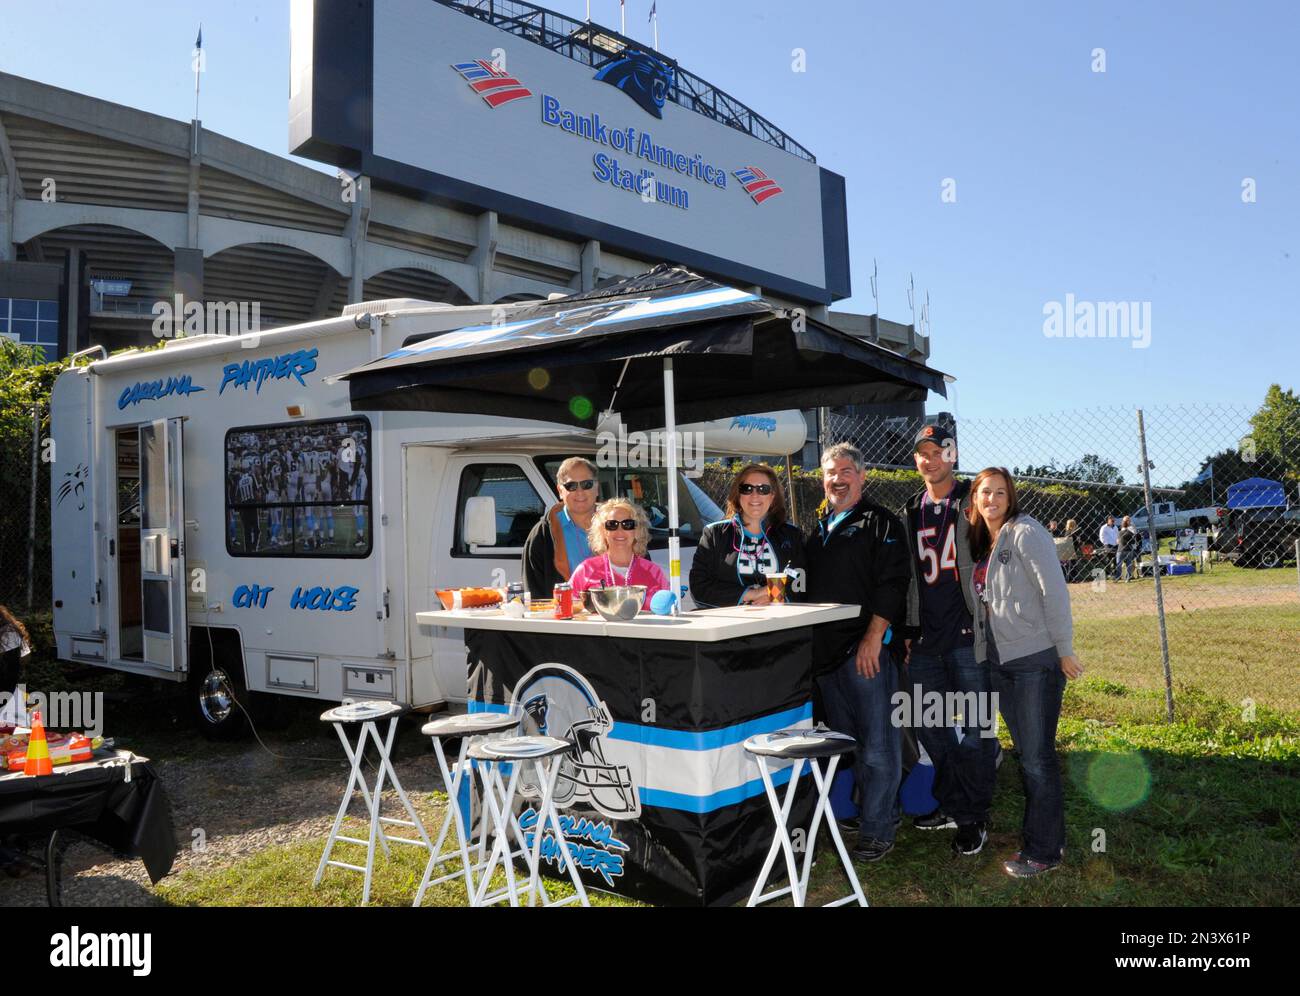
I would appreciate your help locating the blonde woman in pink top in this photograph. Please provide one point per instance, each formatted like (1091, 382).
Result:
(619, 537)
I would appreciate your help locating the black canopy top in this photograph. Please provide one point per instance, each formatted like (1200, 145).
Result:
(570, 359)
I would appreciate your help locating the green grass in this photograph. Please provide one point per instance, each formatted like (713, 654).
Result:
(1156, 815)
(282, 876)
(1232, 654)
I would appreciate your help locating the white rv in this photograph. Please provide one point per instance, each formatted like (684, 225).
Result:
(222, 517)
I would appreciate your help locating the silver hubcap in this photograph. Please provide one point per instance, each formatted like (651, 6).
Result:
(216, 698)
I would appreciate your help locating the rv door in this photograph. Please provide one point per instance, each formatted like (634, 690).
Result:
(162, 544)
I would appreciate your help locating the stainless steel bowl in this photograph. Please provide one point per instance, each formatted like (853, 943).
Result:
(617, 604)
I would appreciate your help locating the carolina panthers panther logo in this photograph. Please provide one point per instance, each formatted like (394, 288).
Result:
(74, 484)
(641, 76)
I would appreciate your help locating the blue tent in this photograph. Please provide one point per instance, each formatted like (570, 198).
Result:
(1256, 492)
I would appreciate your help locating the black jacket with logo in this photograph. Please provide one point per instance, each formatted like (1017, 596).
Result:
(865, 560)
(713, 579)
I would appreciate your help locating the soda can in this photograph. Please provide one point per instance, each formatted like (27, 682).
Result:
(563, 600)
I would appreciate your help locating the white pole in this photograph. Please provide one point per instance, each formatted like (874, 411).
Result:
(622, 18)
(674, 543)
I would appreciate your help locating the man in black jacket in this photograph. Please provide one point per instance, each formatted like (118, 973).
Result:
(859, 555)
(558, 543)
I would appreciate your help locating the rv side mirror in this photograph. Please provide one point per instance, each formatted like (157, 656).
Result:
(481, 522)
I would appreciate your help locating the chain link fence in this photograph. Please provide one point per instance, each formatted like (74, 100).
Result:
(1202, 611)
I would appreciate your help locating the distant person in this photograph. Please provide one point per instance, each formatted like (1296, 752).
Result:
(755, 539)
(1129, 545)
(1054, 528)
(1024, 629)
(1108, 536)
(619, 539)
(558, 543)
(1067, 551)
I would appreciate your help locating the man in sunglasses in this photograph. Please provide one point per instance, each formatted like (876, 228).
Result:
(558, 543)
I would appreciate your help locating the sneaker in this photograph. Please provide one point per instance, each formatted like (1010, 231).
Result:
(870, 849)
(1022, 867)
(970, 838)
(935, 821)
(853, 825)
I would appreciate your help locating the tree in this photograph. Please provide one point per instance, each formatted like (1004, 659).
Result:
(1275, 429)
(1090, 468)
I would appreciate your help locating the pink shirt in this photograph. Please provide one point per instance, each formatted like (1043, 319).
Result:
(592, 571)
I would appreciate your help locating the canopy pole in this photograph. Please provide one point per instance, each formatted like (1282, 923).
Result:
(674, 543)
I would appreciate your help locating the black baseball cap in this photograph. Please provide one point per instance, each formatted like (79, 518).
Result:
(934, 433)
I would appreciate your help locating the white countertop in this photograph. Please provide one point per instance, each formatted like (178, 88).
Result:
(702, 625)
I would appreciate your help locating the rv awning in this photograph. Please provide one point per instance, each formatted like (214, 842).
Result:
(571, 359)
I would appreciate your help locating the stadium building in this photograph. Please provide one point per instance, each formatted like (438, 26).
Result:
(483, 152)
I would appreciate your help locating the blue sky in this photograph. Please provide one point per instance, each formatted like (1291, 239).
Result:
(1123, 185)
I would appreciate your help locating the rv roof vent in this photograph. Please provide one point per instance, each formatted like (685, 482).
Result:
(392, 304)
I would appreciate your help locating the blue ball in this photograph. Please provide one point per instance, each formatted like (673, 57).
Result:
(661, 604)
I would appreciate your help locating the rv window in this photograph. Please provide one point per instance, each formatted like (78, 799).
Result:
(649, 487)
(519, 507)
(299, 489)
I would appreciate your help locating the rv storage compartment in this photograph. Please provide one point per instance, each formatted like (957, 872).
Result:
(291, 672)
(372, 681)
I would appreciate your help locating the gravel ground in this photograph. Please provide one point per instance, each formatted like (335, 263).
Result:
(227, 807)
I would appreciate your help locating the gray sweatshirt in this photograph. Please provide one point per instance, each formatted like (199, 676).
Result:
(1025, 592)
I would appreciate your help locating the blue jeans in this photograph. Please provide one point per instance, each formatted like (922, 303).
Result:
(965, 772)
(1029, 695)
(861, 708)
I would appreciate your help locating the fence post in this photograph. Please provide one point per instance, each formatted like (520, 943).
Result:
(31, 514)
(1155, 568)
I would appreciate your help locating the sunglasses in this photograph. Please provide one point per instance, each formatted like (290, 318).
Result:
(613, 525)
(762, 489)
(586, 485)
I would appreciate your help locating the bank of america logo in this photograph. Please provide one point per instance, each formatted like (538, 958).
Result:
(757, 184)
(494, 85)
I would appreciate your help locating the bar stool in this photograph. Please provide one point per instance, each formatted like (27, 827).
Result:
(801, 746)
(467, 728)
(368, 715)
(545, 754)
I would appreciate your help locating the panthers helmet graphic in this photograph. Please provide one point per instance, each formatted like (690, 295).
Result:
(554, 700)
(641, 76)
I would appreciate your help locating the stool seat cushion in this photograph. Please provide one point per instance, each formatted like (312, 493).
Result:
(800, 743)
(519, 749)
(362, 712)
(470, 724)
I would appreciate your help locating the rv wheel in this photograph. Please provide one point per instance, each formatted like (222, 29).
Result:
(213, 691)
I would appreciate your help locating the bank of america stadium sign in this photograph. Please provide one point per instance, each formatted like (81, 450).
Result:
(497, 87)
(467, 106)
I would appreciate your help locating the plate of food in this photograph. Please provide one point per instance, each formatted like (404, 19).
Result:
(463, 599)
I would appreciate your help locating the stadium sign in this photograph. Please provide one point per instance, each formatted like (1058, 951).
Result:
(424, 97)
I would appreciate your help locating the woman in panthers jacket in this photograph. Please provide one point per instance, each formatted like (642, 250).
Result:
(755, 539)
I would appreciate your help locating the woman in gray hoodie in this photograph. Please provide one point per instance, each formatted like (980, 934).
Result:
(1023, 629)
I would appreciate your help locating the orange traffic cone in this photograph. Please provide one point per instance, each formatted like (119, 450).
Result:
(38, 751)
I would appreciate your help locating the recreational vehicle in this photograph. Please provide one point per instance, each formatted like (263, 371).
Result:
(223, 518)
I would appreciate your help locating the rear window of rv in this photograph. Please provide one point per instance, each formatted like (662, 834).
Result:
(299, 489)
